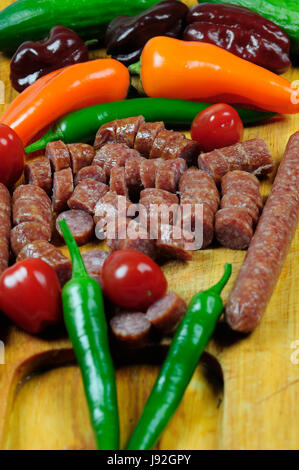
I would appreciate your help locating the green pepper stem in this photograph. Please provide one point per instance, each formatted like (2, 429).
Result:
(135, 69)
(79, 269)
(223, 281)
(91, 42)
(52, 135)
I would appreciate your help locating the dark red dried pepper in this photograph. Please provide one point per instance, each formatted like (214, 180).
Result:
(126, 36)
(32, 60)
(242, 32)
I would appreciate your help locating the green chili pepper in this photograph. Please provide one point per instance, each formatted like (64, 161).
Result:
(82, 125)
(190, 340)
(86, 324)
(30, 20)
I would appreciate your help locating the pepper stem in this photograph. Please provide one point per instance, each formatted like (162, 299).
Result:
(53, 134)
(79, 269)
(224, 280)
(91, 42)
(135, 69)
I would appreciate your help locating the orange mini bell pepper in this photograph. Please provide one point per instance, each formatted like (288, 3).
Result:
(171, 68)
(63, 91)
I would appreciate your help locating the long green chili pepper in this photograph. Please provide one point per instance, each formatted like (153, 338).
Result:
(82, 125)
(86, 324)
(190, 340)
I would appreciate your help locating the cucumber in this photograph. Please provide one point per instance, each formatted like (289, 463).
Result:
(31, 20)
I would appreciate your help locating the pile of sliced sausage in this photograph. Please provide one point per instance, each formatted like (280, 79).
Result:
(134, 162)
(140, 162)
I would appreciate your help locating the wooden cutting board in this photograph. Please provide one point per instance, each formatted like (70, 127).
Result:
(242, 396)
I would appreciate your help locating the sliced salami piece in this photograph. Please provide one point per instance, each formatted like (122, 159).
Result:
(269, 247)
(82, 155)
(250, 192)
(118, 181)
(172, 141)
(94, 261)
(242, 182)
(205, 195)
(154, 201)
(171, 145)
(146, 136)
(199, 184)
(5, 226)
(25, 233)
(159, 195)
(170, 246)
(109, 204)
(63, 188)
(186, 149)
(106, 133)
(113, 155)
(161, 140)
(126, 130)
(58, 155)
(233, 228)
(178, 146)
(214, 164)
(92, 172)
(252, 156)
(133, 175)
(131, 329)
(148, 246)
(119, 157)
(240, 190)
(236, 177)
(81, 225)
(166, 313)
(148, 171)
(39, 173)
(255, 157)
(233, 199)
(29, 191)
(169, 173)
(51, 255)
(28, 210)
(31, 204)
(101, 155)
(86, 195)
(199, 177)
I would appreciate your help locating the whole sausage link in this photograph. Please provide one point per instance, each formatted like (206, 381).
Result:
(269, 247)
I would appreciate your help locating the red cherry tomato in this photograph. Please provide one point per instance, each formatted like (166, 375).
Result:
(30, 295)
(216, 127)
(12, 156)
(132, 280)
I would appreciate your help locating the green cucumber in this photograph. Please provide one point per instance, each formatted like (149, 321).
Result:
(31, 20)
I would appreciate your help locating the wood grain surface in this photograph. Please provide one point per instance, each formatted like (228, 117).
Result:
(242, 396)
